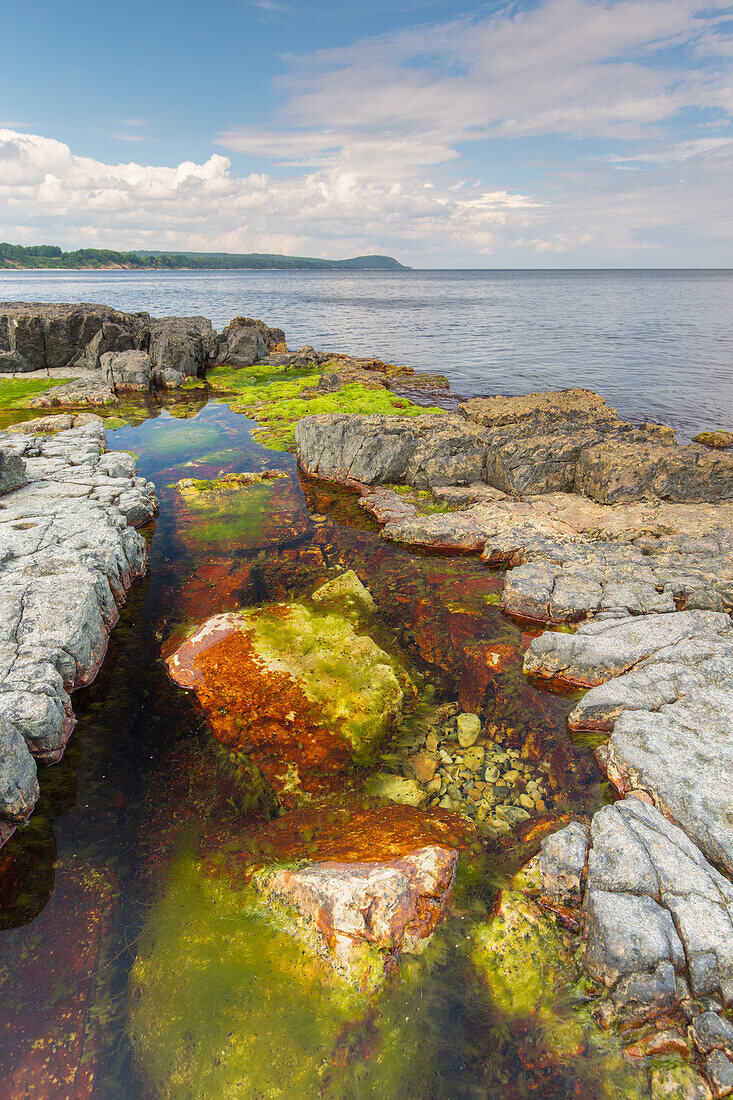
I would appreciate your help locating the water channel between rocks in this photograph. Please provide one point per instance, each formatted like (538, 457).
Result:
(84, 873)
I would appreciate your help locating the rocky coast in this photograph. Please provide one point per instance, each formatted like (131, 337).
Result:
(452, 707)
(70, 551)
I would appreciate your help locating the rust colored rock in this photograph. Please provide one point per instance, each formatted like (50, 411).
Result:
(658, 1043)
(422, 765)
(390, 906)
(483, 664)
(301, 691)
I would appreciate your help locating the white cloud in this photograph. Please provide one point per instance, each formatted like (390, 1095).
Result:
(378, 140)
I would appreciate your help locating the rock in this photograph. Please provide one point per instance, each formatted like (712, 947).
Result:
(422, 765)
(671, 718)
(239, 512)
(719, 1069)
(68, 557)
(602, 649)
(709, 1031)
(346, 594)
(88, 389)
(179, 346)
(677, 1082)
(642, 996)
(652, 898)
(588, 451)
(563, 405)
(42, 425)
(405, 791)
(361, 910)
(243, 342)
(473, 758)
(36, 335)
(719, 440)
(562, 864)
(231, 980)
(300, 689)
(12, 471)
(126, 371)
(468, 729)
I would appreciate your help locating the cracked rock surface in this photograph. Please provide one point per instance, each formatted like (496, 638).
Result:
(68, 554)
(651, 897)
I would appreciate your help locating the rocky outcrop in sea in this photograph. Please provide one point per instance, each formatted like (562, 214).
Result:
(70, 551)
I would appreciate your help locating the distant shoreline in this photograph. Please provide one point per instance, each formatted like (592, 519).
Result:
(48, 257)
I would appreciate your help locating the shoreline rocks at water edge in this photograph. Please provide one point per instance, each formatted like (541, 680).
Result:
(70, 551)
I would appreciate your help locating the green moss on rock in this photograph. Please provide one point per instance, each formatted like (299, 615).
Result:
(223, 1002)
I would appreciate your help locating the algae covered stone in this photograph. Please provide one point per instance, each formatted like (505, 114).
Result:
(222, 1003)
(297, 688)
(346, 594)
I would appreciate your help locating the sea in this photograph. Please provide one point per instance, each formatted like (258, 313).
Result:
(657, 344)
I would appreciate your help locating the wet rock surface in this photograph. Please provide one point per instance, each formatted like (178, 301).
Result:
(301, 692)
(656, 934)
(69, 554)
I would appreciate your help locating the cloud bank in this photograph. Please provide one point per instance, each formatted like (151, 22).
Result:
(615, 118)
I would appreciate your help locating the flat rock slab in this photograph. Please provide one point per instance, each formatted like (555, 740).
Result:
(68, 554)
(604, 648)
(652, 899)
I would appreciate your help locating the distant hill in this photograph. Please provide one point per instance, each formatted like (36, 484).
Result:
(50, 255)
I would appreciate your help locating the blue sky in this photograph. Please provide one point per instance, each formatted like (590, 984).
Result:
(566, 133)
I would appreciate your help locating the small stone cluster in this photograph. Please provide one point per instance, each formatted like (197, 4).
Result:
(453, 763)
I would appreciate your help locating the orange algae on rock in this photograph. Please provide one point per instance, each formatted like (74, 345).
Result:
(300, 691)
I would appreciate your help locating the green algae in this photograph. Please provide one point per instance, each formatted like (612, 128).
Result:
(272, 397)
(532, 975)
(279, 416)
(15, 392)
(224, 517)
(358, 685)
(224, 1003)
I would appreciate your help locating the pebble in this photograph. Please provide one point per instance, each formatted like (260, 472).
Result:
(473, 758)
(431, 743)
(468, 727)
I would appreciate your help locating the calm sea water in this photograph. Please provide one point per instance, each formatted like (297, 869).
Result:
(656, 344)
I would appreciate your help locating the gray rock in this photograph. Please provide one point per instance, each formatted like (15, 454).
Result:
(600, 650)
(244, 341)
(67, 557)
(671, 717)
(709, 1031)
(588, 451)
(181, 344)
(719, 1069)
(653, 898)
(562, 864)
(126, 371)
(12, 471)
(641, 996)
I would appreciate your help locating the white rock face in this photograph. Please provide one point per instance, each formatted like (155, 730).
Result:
(68, 554)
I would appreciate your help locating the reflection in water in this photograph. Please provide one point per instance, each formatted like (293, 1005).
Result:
(103, 873)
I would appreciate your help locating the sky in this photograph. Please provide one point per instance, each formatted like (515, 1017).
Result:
(564, 133)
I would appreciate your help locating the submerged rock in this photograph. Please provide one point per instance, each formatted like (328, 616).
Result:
(300, 689)
(260, 953)
(240, 512)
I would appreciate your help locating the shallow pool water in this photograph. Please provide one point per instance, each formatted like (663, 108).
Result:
(101, 899)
